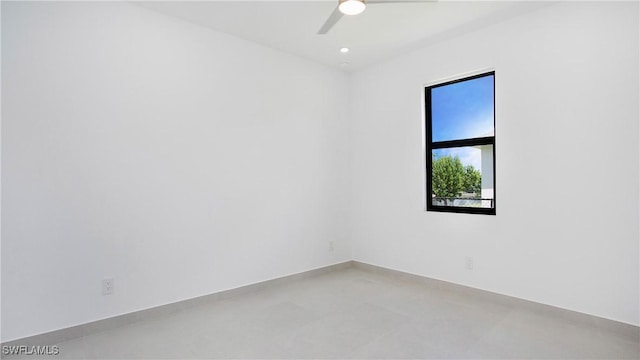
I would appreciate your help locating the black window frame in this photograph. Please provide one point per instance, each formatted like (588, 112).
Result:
(431, 145)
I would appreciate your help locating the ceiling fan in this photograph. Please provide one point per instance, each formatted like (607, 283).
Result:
(355, 7)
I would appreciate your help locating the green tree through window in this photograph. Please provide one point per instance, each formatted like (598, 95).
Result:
(451, 179)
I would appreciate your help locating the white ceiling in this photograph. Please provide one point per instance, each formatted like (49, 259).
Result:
(381, 32)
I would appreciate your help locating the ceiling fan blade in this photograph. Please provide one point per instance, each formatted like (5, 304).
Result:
(398, 1)
(332, 20)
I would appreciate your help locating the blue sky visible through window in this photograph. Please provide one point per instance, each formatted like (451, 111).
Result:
(468, 155)
(462, 110)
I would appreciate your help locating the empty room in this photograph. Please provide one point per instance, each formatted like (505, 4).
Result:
(339, 179)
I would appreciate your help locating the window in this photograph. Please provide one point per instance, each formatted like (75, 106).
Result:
(460, 145)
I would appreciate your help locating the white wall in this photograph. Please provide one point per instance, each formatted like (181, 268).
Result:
(566, 230)
(178, 160)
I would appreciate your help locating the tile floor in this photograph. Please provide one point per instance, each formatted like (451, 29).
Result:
(355, 313)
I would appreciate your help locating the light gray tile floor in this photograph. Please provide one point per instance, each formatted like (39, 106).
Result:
(354, 313)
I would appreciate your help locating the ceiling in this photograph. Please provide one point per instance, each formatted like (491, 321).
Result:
(381, 32)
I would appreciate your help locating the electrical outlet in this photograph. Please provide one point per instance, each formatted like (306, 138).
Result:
(331, 246)
(468, 262)
(107, 286)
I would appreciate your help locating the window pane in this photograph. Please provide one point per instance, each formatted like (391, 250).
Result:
(462, 110)
(462, 177)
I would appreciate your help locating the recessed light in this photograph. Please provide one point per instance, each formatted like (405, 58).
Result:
(344, 50)
(344, 64)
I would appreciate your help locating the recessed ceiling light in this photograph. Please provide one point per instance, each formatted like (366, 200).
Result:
(344, 64)
(344, 50)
